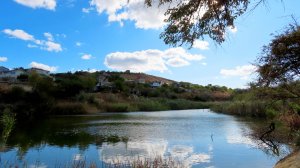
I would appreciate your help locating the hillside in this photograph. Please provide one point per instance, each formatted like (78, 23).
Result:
(147, 78)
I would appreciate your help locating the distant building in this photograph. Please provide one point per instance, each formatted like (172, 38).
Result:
(103, 81)
(141, 80)
(3, 69)
(12, 75)
(156, 84)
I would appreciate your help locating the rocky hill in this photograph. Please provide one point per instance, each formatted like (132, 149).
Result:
(145, 77)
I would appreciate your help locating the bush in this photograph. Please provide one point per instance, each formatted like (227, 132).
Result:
(151, 105)
(241, 108)
(15, 94)
(271, 113)
(182, 104)
(7, 123)
(117, 107)
(68, 108)
(111, 98)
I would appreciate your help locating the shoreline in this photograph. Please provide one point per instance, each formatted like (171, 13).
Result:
(290, 161)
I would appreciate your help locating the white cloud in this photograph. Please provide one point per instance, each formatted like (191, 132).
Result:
(181, 52)
(202, 45)
(61, 35)
(177, 62)
(48, 4)
(134, 10)
(150, 60)
(86, 10)
(69, 3)
(49, 36)
(31, 46)
(139, 61)
(48, 45)
(19, 34)
(86, 56)
(78, 44)
(43, 66)
(3, 59)
(232, 29)
(52, 46)
(239, 71)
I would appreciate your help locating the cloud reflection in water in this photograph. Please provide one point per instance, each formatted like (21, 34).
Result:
(124, 153)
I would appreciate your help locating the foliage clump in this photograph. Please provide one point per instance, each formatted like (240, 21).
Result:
(190, 20)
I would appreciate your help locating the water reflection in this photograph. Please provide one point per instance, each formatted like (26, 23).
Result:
(194, 138)
(124, 153)
(187, 155)
(235, 135)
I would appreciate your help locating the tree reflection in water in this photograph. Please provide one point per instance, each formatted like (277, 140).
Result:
(186, 137)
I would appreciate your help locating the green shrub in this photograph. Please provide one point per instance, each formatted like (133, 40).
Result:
(15, 94)
(117, 107)
(111, 98)
(81, 97)
(182, 104)
(7, 123)
(151, 105)
(68, 109)
(295, 107)
(271, 113)
(241, 108)
(91, 99)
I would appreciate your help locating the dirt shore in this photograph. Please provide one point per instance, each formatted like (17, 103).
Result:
(290, 161)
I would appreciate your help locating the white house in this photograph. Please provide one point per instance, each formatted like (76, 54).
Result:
(103, 81)
(13, 73)
(3, 69)
(156, 84)
(141, 80)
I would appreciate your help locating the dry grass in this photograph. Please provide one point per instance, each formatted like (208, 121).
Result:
(68, 108)
(157, 162)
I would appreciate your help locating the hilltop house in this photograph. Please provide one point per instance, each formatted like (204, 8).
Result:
(12, 75)
(156, 84)
(103, 81)
(141, 80)
(3, 69)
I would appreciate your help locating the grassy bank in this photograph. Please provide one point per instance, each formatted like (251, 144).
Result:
(283, 114)
(108, 102)
(38, 96)
(255, 109)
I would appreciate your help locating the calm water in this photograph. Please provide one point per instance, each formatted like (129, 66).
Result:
(195, 138)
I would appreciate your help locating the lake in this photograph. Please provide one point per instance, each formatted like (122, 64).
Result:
(193, 138)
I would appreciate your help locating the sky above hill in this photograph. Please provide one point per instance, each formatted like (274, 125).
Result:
(71, 35)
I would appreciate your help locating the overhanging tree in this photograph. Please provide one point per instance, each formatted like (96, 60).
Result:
(279, 64)
(189, 20)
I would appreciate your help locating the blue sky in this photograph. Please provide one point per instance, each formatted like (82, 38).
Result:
(70, 35)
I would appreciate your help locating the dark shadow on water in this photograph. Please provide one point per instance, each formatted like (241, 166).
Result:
(272, 147)
(57, 132)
